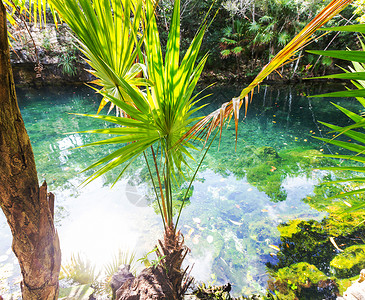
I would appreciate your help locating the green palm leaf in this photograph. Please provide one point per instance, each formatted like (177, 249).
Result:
(350, 93)
(357, 142)
(108, 36)
(349, 28)
(350, 75)
(356, 56)
(162, 113)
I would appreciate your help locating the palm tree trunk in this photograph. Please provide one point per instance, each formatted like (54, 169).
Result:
(28, 208)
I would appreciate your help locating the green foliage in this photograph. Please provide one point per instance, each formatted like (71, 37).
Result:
(79, 270)
(359, 10)
(266, 27)
(234, 41)
(355, 142)
(67, 62)
(290, 281)
(151, 263)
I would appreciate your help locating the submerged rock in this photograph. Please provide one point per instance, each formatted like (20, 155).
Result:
(267, 153)
(349, 262)
(303, 280)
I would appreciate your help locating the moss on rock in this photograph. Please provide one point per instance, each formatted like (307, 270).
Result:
(288, 229)
(290, 282)
(350, 262)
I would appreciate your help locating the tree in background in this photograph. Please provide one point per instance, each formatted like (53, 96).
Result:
(258, 29)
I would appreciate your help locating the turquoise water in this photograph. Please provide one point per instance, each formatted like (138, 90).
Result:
(239, 197)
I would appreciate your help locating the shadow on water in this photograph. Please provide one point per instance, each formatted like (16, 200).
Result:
(245, 206)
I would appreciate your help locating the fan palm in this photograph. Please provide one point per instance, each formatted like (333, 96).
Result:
(160, 117)
(112, 35)
(108, 34)
(155, 118)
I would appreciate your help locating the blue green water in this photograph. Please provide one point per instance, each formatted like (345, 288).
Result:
(238, 201)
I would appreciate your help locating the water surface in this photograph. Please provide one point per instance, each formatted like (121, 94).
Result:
(231, 222)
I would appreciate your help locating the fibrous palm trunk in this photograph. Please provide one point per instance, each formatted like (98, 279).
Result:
(28, 208)
(166, 281)
(172, 252)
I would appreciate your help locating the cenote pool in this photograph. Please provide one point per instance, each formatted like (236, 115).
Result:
(246, 204)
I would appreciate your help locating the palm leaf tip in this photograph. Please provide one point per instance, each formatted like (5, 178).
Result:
(296, 44)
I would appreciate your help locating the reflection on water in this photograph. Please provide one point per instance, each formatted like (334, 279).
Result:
(238, 200)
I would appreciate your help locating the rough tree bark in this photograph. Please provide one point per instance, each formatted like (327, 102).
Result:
(28, 208)
(166, 281)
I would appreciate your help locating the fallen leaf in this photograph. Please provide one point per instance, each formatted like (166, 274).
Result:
(274, 247)
(334, 244)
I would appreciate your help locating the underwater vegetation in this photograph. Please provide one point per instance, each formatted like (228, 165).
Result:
(349, 263)
(326, 253)
(302, 281)
(266, 169)
(232, 215)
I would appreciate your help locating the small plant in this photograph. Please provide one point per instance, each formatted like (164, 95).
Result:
(211, 291)
(292, 285)
(46, 43)
(233, 40)
(122, 258)
(79, 270)
(151, 263)
(68, 61)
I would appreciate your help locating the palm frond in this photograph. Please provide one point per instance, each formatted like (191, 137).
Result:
(356, 144)
(108, 34)
(160, 114)
(210, 122)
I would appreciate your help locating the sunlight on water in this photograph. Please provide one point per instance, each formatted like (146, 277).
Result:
(239, 198)
(102, 220)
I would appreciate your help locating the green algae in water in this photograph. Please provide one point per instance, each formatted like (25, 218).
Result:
(242, 195)
(290, 281)
(350, 262)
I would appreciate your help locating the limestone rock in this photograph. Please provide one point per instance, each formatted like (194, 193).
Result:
(357, 290)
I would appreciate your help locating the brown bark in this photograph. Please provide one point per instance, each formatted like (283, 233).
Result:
(150, 284)
(166, 281)
(28, 208)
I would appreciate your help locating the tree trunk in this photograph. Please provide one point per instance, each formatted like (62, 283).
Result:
(28, 208)
(167, 281)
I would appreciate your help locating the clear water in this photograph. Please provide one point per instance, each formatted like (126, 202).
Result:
(230, 224)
